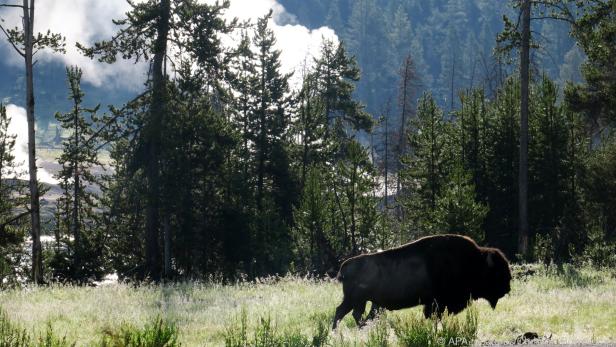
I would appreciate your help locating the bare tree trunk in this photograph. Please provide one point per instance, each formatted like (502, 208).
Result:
(35, 218)
(167, 246)
(453, 77)
(354, 178)
(76, 193)
(372, 157)
(408, 78)
(386, 160)
(523, 168)
(153, 134)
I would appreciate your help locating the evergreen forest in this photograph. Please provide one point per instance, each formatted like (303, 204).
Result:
(491, 119)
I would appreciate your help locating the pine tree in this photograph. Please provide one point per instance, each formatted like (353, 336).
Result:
(354, 182)
(335, 76)
(313, 232)
(594, 31)
(427, 165)
(78, 203)
(406, 95)
(26, 43)
(457, 210)
(501, 164)
(310, 127)
(149, 32)
(553, 165)
(13, 202)
(243, 80)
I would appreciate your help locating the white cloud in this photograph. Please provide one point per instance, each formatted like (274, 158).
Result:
(297, 43)
(84, 21)
(19, 127)
(87, 21)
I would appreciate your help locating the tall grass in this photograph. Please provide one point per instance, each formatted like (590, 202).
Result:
(572, 305)
(266, 334)
(156, 334)
(11, 335)
(410, 331)
(378, 336)
(416, 331)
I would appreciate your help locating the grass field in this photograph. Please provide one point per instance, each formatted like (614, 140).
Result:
(566, 305)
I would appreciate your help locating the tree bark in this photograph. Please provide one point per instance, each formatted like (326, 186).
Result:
(386, 162)
(35, 218)
(408, 75)
(523, 166)
(153, 133)
(76, 194)
(167, 246)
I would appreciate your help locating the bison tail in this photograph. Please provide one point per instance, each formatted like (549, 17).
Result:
(343, 273)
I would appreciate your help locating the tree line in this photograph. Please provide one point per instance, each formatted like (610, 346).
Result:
(220, 169)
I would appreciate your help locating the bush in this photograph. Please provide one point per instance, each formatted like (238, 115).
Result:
(573, 276)
(266, 335)
(10, 335)
(379, 335)
(449, 331)
(159, 333)
(13, 336)
(600, 251)
(51, 340)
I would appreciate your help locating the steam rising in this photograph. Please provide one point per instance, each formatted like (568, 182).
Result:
(19, 127)
(87, 21)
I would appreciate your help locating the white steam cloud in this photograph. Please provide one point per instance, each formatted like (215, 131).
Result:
(19, 126)
(87, 21)
(298, 43)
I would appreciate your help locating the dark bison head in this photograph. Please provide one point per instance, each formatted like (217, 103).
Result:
(497, 276)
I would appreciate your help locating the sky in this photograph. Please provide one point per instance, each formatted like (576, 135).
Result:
(87, 21)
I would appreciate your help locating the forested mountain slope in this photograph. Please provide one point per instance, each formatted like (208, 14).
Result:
(451, 42)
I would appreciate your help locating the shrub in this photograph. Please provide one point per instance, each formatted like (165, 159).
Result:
(266, 334)
(12, 335)
(236, 334)
(449, 331)
(49, 339)
(415, 331)
(159, 333)
(378, 336)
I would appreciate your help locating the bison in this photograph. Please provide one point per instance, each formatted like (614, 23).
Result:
(440, 272)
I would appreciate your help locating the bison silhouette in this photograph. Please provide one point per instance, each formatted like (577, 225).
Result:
(440, 272)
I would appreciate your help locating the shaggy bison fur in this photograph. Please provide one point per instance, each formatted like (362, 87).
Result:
(440, 272)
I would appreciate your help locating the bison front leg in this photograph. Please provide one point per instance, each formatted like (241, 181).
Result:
(341, 311)
(358, 312)
(374, 310)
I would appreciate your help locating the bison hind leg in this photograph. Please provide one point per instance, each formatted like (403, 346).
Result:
(358, 312)
(341, 311)
(433, 309)
(457, 306)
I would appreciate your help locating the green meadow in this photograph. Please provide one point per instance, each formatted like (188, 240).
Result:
(561, 305)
